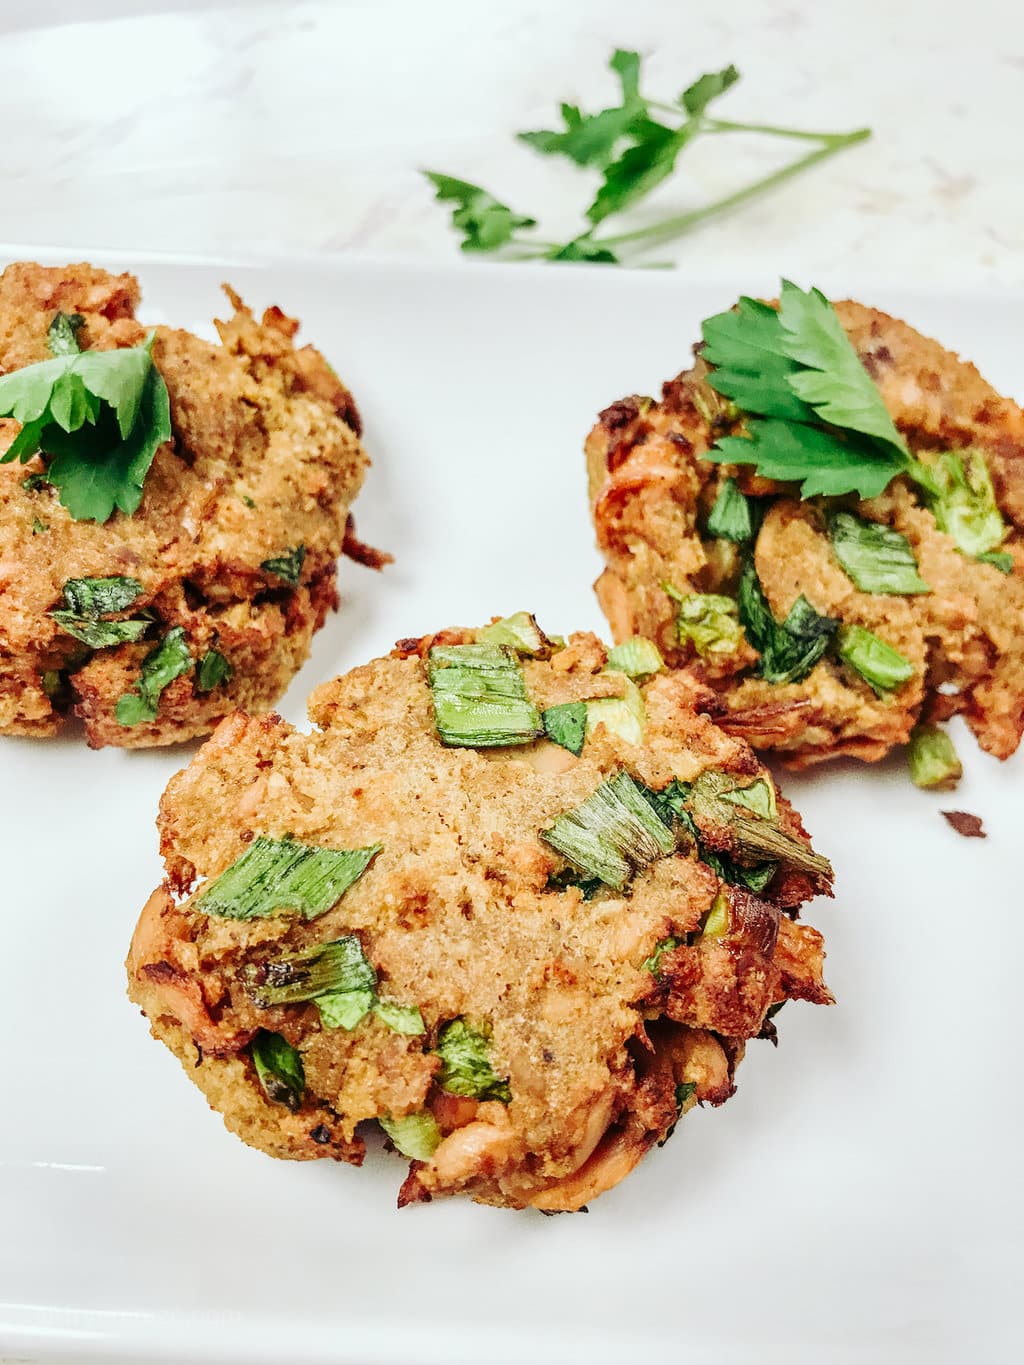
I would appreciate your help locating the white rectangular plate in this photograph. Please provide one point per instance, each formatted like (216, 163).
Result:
(859, 1199)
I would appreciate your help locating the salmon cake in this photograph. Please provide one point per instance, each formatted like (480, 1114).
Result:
(517, 899)
(171, 510)
(821, 520)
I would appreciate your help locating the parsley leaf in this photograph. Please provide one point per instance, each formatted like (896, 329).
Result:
(696, 97)
(744, 347)
(566, 725)
(100, 415)
(584, 249)
(734, 515)
(171, 658)
(823, 462)
(485, 221)
(590, 139)
(213, 670)
(831, 377)
(788, 649)
(287, 566)
(641, 167)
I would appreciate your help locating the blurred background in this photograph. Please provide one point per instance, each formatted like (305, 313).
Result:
(263, 129)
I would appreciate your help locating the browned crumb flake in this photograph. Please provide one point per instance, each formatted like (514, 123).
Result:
(458, 917)
(265, 457)
(651, 493)
(966, 824)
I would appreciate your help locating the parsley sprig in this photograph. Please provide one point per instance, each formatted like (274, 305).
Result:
(96, 417)
(634, 145)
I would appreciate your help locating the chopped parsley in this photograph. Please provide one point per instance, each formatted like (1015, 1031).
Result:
(212, 670)
(171, 658)
(287, 566)
(566, 725)
(733, 516)
(86, 601)
(789, 649)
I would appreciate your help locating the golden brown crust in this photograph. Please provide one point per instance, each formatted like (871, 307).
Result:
(265, 457)
(458, 916)
(651, 492)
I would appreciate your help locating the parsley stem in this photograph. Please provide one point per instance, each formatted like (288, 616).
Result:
(682, 222)
(717, 125)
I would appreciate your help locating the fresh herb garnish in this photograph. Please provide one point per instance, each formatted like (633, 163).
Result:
(634, 145)
(875, 557)
(338, 977)
(480, 698)
(672, 804)
(288, 566)
(932, 759)
(614, 834)
(274, 875)
(279, 1069)
(160, 667)
(466, 1065)
(520, 632)
(789, 649)
(708, 621)
(732, 517)
(566, 725)
(415, 1135)
(97, 418)
(213, 669)
(101, 634)
(637, 658)
(881, 666)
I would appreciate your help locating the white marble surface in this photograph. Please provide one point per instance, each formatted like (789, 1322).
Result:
(261, 129)
(264, 129)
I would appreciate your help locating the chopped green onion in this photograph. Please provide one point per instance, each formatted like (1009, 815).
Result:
(751, 836)
(96, 597)
(465, 1063)
(344, 1009)
(788, 649)
(566, 725)
(882, 667)
(637, 658)
(520, 632)
(34, 482)
(587, 886)
(273, 875)
(338, 966)
(160, 667)
(875, 557)
(933, 761)
(624, 716)
(213, 670)
(480, 698)
(614, 834)
(716, 922)
(287, 566)
(964, 504)
(652, 964)
(415, 1135)
(38, 527)
(401, 1018)
(279, 1068)
(732, 517)
(758, 797)
(101, 634)
(682, 1094)
(51, 682)
(708, 621)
